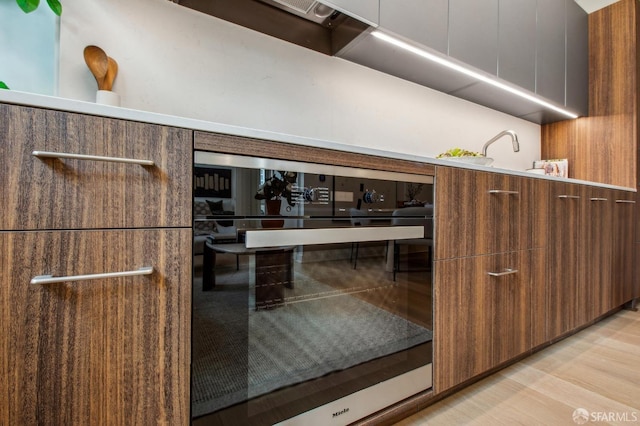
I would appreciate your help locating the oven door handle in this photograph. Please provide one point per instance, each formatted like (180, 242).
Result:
(304, 236)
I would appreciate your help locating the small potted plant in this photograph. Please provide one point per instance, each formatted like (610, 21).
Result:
(273, 190)
(413, 189)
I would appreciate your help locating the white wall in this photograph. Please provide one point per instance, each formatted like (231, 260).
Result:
(177, 61)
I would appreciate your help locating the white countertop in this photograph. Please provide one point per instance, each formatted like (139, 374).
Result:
(70, 105)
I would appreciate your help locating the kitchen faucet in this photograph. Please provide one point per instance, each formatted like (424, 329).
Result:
(514, 140)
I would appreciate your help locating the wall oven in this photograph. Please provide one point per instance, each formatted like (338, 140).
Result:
(313, 303)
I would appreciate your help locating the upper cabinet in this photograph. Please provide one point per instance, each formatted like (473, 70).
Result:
(366, 10)
(473, 33)
(550, 36)
(517, 42)
(540, 46)
(577, 58)
(427, 24)
(603, 147)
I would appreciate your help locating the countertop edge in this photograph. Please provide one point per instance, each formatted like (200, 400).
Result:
(82, 107)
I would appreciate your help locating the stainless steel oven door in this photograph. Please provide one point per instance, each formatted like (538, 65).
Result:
(315, 316)
(352, 407)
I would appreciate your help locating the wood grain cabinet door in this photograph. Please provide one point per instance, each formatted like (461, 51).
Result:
(482, 314)
(480, 213)
(595, 260)
(623, 245)
(70, 193)
(565, 204)
(95, 352)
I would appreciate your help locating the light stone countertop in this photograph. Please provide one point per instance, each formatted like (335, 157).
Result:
(70, 105)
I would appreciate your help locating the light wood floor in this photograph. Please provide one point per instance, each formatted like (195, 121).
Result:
(597, 370)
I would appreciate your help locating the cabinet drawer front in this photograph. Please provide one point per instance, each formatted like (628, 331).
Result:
(103, 351)
(70, 193)
(482, 314)
(479, 213)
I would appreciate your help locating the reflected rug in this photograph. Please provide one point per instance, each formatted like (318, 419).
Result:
(239, 353)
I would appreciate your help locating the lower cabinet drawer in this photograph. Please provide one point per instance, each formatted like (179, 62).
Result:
(102, 350)
(64, 170)
(482, 314)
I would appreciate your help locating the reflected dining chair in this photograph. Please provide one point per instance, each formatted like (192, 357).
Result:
(358, 218)
(413, 216)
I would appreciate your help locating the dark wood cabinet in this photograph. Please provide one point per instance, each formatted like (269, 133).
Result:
(623, 244)
(106, 349)
(103, 351)
(591, 256)
(538, 208)
(565, 206)
(595, 290)
(488, 225)
(73, 193)
(483, 314)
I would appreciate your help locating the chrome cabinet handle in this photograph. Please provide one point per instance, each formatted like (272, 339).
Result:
(507, 271)
(625, 201)
(573, 197)
(50, 279)
(598, 199)
(48, 154)
(502, 191)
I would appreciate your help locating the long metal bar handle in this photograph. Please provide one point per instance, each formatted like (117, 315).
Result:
(507, 271)
(625, 201)
(573, 197)
(50, 279)
(48, 154)
(502, 191)
(598, 199)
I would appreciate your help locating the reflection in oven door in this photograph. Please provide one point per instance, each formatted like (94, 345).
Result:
(314, 309)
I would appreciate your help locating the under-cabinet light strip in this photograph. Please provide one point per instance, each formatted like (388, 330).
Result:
(468, 72)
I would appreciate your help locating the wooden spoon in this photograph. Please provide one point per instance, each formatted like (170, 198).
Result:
(97, 62)
(112, 70)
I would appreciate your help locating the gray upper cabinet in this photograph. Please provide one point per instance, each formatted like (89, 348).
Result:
(366, 10)
(550, 68)
(473, 33)
(423, 21)
(538, 45)
(517, 42)
(577, 59)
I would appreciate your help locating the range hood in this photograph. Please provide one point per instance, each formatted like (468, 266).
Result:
(307, 23)
(310, 10)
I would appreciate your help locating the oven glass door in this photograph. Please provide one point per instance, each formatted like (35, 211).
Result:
(313, 286)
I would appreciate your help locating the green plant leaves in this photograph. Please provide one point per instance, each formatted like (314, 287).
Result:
(3, 86)
(29, 6)
(55, 6)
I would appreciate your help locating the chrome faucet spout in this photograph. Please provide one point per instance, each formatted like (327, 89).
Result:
(514, 141)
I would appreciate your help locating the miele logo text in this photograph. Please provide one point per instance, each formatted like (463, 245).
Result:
(346, 410)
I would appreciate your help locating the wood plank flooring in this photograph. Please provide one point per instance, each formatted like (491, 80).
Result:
(597, 370)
